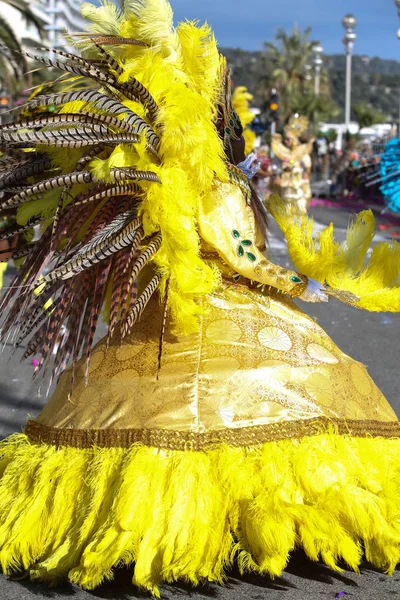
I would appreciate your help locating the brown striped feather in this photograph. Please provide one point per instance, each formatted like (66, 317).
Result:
(55, 324)
(18, 229)
(163, 327)
(115, 303)
(100, 287)
(48, 184)
(98, 253)
(140, 304)
(125, 290)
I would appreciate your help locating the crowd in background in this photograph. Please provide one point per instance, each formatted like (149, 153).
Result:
(350, 174)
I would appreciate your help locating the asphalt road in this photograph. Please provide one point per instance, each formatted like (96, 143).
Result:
(371, 338)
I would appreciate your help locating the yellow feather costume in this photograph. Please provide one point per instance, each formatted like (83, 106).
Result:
(251, 434)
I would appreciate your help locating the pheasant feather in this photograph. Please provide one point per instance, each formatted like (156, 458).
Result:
(115, 172)
(140, 304)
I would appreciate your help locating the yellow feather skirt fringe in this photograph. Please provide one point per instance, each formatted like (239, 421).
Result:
(77, 514)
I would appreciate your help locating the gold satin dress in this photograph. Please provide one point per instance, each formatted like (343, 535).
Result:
(258, 368)
(256, 437)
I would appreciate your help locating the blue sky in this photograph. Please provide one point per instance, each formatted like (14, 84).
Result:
(247, 23)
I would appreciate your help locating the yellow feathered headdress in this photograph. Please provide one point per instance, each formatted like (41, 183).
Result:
(297, 126)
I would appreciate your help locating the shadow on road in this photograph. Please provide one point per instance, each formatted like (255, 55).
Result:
(302, 567)
(41, 590)
(121, 587)
(301, 579)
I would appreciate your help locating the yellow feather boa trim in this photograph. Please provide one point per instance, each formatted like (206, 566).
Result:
(77, 514)
(345, 267)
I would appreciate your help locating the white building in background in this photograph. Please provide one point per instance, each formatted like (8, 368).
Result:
(26, 33)
(367, 134)
(65, 15)
(57, 17)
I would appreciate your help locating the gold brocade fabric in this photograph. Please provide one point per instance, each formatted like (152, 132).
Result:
(256, 360)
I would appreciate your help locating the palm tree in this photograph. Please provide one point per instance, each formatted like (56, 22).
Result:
(316, 108)
(289, 58)
(290, 55)
(12, 62)
(366, 115)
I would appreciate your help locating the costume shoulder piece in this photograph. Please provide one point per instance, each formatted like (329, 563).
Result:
(114, 177)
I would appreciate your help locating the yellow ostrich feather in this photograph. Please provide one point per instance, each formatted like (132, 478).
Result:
(241, 103)
(3, 268)
(200, 57)
(375, 281)
(154, 26)
(103, 19)
(333, 495)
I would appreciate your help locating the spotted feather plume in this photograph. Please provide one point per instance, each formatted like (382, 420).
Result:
(88, 223)
(110, 162)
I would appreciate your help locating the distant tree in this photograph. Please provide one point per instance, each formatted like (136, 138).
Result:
(376, 84)
(331, 136)
(12, 63)
(316, 108)
(366, 115)
(290, 58)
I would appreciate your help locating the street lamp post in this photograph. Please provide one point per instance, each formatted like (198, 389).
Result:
(317, 51)
(349, 22)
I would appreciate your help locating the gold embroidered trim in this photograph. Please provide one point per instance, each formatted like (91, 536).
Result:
(189, 440)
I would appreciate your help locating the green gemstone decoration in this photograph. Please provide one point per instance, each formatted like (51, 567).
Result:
(296, 279)
(228, 130)
(242, 245)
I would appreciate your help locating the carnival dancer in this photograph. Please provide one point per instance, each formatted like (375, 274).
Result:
(215, 421)
(293, 158)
